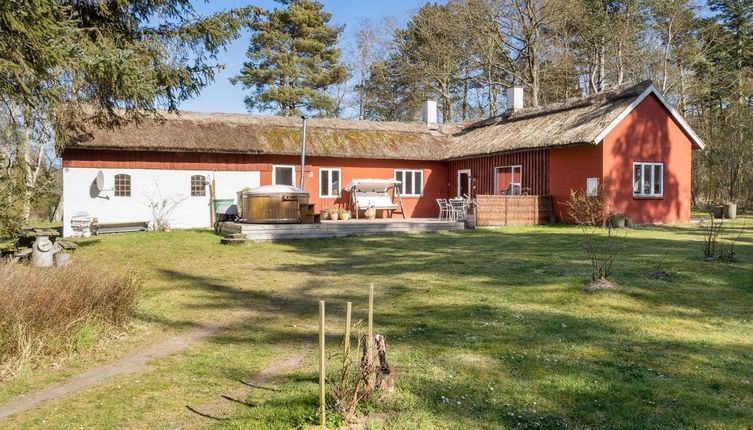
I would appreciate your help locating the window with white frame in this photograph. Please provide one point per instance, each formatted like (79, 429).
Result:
(283, 175)
(592, 187)
(648, 179)
(411, 182)
(329, 182)
(508, 180)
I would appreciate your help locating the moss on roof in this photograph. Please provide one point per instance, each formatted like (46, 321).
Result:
(576, 121)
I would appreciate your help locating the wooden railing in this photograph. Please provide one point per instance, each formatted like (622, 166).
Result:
(513, 210)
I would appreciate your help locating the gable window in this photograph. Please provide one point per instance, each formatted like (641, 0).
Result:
(648, 179)
(508, 180)
(283, 175)
(329, 182)
(198, 186)
(411, 182)
(122, 185)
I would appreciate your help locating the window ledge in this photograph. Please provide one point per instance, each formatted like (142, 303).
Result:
(648, 197)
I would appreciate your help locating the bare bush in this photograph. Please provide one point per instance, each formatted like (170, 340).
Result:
(708, 235)
(600, 240)
(349, 384)
(715, 244)
(355, 381)
(48, 312)
(163, 207)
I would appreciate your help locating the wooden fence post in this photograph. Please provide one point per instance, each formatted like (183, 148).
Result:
(370, 339)
(346, 349)
(322, 365)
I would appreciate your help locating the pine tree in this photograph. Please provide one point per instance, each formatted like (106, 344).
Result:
(733, 53)
(293, 60)
(67, 66)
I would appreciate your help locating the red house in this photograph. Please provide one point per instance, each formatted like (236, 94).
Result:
(629, 138)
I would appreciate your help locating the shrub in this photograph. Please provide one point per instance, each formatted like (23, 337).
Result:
(50, 312)
(602, 245)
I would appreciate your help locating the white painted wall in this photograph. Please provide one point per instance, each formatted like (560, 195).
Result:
(80, 196)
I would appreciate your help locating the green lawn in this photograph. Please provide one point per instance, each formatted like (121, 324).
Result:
(485, 329)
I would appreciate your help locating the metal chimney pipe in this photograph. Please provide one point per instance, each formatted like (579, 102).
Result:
(303, 151)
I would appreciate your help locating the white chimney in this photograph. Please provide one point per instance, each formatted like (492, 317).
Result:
(514, 99)
(430, 112)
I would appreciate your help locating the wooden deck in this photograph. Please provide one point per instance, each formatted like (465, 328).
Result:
(263, 232)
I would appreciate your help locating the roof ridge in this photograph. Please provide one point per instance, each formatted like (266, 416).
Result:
(614, 93)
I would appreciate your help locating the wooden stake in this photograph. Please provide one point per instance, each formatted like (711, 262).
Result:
(370, 340)
(346, 349)
(212, 197)
(371, 321)
(322, 364)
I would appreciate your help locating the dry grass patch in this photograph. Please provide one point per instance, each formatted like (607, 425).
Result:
(53, 312)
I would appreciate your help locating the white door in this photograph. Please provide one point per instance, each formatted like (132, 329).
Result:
(464, 183)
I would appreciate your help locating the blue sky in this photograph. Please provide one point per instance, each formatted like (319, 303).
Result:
(222, 96)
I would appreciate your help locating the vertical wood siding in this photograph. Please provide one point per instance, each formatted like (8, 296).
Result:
(535, 170)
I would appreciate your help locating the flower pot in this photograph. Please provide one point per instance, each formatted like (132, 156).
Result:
(370, 213)
(730, 210)
(344, 216)
(718, 212)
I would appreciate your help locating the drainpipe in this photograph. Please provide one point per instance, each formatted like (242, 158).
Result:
(303, 152)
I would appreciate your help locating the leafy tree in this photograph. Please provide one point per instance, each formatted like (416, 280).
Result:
(293, 60)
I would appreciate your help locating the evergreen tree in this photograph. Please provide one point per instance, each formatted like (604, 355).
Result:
(389, 95)
(293, 60)
(732, 55)
(68, 65)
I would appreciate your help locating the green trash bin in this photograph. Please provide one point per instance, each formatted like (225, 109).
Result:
(218, 202)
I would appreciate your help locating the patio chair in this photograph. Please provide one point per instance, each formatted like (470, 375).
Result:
(457, 207)
(445, 211)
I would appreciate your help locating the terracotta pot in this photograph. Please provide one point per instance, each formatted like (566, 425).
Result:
(344, 216)
(334, 216)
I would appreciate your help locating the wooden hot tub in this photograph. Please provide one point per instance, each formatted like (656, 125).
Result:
(273, 204)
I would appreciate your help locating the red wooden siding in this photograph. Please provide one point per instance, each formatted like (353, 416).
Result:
(110, 159)
(435, 172)
(535, 171)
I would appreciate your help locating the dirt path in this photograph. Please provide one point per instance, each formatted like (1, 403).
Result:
(137, 362)
(216, 410)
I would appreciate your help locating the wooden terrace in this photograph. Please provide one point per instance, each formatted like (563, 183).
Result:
(352, 227)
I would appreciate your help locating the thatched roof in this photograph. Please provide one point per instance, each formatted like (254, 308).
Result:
(256, 134)
(574, 122)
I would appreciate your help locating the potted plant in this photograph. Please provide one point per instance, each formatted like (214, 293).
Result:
(325, 213)
(344, 214)
(370, 212)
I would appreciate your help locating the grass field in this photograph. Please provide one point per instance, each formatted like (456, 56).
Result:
(486, 329)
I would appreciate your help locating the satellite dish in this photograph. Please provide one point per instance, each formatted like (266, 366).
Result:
(100, 181)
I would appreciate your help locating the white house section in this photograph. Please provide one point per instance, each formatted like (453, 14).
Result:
(81, 194)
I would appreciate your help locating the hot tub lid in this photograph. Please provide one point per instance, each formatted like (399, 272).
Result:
(275, 189)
